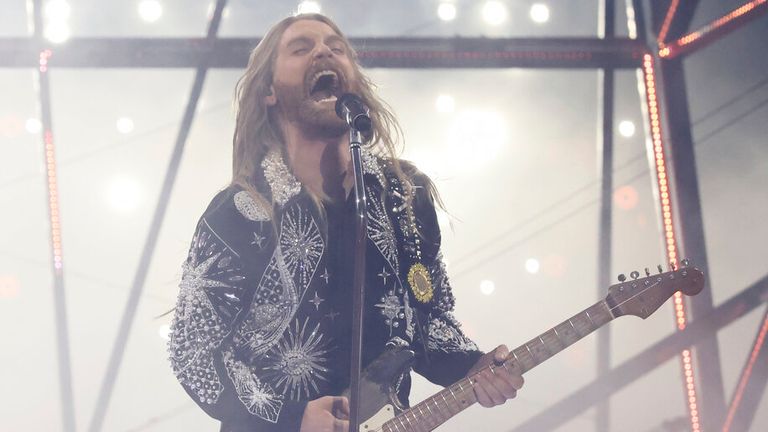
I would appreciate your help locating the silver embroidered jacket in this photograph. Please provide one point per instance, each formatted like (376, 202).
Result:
(262, 322)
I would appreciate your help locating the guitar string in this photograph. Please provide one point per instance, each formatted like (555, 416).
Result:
(492, 367)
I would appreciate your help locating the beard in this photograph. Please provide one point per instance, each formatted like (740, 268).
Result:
(314, 119)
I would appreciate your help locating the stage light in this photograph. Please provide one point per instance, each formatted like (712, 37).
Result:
(150, 10)
(57, 31)
(123, 194)
(487, 287)
(164, 331)
(57, 11)
(306, 7)
(124, 125)
(539, 13)
(446, 11)
(532, 265)
(626, 197)
(494, 12)
(445, 103)
(627, 128)
(33, 126)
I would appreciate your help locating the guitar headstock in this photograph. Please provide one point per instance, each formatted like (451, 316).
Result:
(642, 296)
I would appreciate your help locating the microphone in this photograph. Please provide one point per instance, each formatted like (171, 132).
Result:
(352, 110)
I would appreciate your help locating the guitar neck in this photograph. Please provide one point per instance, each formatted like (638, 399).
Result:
(436, 410)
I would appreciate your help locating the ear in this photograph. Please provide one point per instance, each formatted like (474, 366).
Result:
(270, 99)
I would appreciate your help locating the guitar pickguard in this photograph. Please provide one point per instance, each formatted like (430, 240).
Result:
(378, 398)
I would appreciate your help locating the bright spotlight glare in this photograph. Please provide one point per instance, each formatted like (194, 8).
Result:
(57, 10)
(445, 103)
(540, 13)
(123, 194)
(627, 128)
(33, 126)
(487, 287)
(164, 331)
(446, 11)
(124, 125)
(306, 7)
(150, 10)
(532, 265)
(474, 139)
(494, 12)
(57, 32)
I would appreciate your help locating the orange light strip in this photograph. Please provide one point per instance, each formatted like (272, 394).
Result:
(667, 21)
(665, 199)
(52, 181)
(745, 376)
(708, 32)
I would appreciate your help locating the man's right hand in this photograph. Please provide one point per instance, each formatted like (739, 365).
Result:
(326, 414)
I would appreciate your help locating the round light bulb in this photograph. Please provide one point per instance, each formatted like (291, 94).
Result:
(494, 12)
(539, 13)
(446, 11)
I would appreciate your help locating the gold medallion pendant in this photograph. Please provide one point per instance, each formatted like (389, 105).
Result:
(421, 284)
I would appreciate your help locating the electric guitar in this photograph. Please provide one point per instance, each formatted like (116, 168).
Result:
(641, 297)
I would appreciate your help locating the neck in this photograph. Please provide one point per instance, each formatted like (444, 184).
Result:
(320, 164)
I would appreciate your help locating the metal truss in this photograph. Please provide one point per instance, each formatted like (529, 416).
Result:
(410, 53)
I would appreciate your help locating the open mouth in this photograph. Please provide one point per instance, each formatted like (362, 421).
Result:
(324, 86)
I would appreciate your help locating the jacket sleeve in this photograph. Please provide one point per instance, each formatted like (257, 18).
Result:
(447, 353)
(208, 352)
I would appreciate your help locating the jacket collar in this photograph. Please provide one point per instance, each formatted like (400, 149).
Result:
(284, 185)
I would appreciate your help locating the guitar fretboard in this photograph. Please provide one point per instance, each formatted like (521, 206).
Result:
(436, 410)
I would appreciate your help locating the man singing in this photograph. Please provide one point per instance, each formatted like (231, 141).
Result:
(262, 328)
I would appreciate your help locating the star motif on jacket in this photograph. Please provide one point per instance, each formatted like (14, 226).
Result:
(332, 315)
(316, 301)
(195, 275)
(326, 276)
(258, 240)
(384, 275)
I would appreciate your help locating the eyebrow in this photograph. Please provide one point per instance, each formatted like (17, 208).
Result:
(305, 40)
(297, 40)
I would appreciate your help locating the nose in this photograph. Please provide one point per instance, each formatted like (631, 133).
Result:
(323, 50)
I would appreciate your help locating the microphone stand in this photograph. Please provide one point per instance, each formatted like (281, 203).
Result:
(358, 283)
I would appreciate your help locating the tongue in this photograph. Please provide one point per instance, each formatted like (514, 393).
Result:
(319, 95)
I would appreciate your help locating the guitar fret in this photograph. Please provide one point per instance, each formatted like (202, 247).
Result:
(544, 345)
(573, 327)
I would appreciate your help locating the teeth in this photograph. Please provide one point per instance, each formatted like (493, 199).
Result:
(328, 99)
(321, 74)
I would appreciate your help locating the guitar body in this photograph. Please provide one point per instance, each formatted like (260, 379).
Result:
(378, 388)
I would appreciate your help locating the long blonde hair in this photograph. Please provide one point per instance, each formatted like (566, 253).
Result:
(256, 128)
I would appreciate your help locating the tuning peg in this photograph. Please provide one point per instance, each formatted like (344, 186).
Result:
(622, 277)
(647, 272)
(685, 262)
(635, 274)
(660, 268)
(672, 266)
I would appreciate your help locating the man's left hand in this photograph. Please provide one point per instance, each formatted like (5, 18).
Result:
(496, 381)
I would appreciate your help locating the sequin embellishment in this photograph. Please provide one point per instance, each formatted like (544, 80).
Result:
(281, 181)
(249, 208)
(209, 274)
(445, 336)
(299, 361)
(257, 396)
(380, 230)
